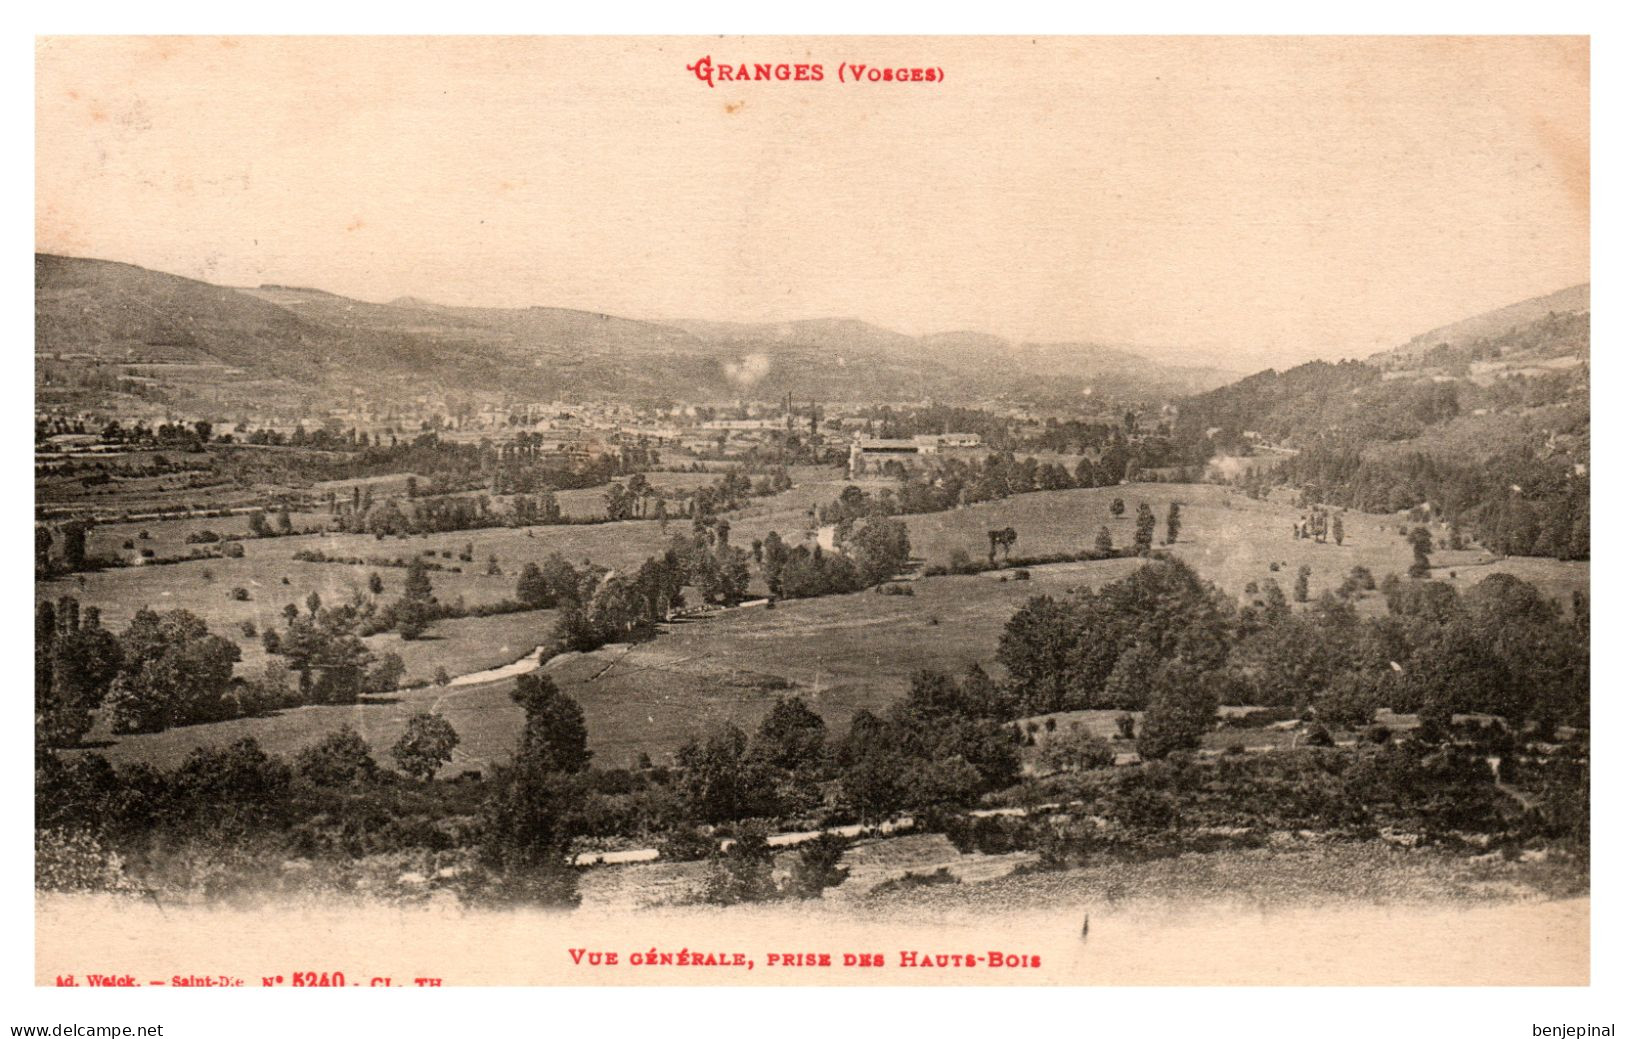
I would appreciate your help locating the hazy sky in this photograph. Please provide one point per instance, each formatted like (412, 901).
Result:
(1249, 201)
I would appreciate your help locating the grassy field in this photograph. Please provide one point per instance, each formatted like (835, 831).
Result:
(1230, 538)
(841, 654)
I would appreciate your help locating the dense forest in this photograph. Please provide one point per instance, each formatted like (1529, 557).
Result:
(1491, 437)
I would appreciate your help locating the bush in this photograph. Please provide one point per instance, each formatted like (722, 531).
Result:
(75, 860)
(1376, 735)
(689, 844)
(1317, 735)
(426, 745)
(988, 834)
(911, 880)
(817, 867)
(339, 758)
(744, 873)
(1077, 750)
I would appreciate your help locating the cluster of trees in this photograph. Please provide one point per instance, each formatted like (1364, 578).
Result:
(954, 482)
(520, 466)
(1516, 503)
(945, 744)
(165, 669)
(75, 662)
(323, 647)
(441, 514)
(727, 775)
(1125, 445)
(1165, 641)
(70, 555)
(599, 606)
(874, 552)
(637, 498)
(609, 606)
(524, 466)
(180, 436)
(1157, 629)
(1317, 524)
(1505, 462)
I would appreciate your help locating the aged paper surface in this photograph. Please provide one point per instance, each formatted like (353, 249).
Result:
(812, 511)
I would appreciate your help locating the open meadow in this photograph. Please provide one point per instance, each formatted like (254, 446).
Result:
(839, 653)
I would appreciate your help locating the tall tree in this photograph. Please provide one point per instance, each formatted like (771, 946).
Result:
(1145, 529)
(1103, 541)
(791, 737)
(173, 672)
(425, 746)
(554, 738)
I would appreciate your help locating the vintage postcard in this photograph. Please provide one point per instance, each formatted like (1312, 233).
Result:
(636, 511)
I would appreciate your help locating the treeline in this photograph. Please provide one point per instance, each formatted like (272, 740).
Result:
(204, 829)
(1164, 637)
(999, 432)
(1160, 642)
(954, 482)
(1438, 789)
(868, 555)
(1505, 462)
(168, 669)
(638, 498)
(1514, 504)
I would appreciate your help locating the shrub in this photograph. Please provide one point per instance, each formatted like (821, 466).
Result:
(744, 873)
(689, 844)
(1376, 735)
(1317, 735)
(75, 860)
(988, 834)
(340, 757)
(910, 880)
(426, 745)
(817, 867)
(1077, 750)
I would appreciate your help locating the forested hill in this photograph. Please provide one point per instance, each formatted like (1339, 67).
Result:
(1573, 300)
(102, 327)
(1491, 432)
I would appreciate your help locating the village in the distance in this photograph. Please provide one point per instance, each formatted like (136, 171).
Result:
(496, 608)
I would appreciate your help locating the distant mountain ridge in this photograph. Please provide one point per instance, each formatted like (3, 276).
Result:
(1572, 300)
(312, 343)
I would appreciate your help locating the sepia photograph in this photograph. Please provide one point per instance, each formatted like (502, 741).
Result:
(811, 511)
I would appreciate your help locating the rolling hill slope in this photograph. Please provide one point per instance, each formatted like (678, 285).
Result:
(308, 345)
